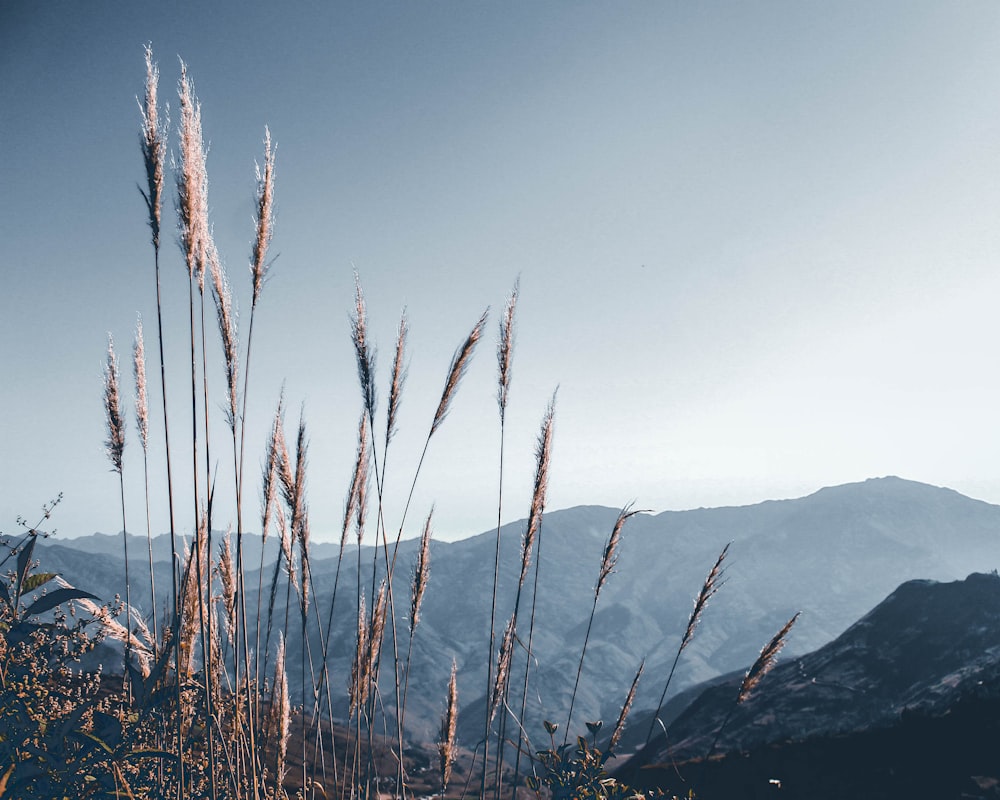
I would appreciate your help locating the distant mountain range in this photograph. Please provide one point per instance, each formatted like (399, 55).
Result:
(833, 555)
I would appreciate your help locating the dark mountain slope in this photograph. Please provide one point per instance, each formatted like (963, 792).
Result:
(922, 659)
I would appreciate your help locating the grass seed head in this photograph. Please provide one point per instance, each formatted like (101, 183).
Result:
(505, 350)
(626, 707)
(398, 378)
(459, 364)
(192, 182)
(141, 396)
(447, 747)
(154, 147)
(543, 457)
(421, 571)
(363, 350)
(265, 218)
(115, 443)
(765, 661)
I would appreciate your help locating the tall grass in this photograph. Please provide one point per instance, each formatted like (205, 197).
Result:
(207, 689)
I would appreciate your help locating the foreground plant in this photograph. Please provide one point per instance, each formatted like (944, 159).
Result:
(579, 773)
(60, 737)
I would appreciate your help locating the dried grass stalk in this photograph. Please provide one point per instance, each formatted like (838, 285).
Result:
(363, 349)
(227, 578)
(192, 604)
(377, 630)
(459, 364)
(226, 316)
(713, 582)
(280, 714)
(154, 147)
(765, 661)
(358, 691)
(543, 457)
(300, 513)
(287, 554)
(355, 507)
(619, 729)
(447, 745)
(505, 350)
(141, 645)
(421, 572)
(610, 558)
(115, 443)
(272, 460)
(265, 218)
(141, 396)
(503, 669)
(398, 378)
(192, 182)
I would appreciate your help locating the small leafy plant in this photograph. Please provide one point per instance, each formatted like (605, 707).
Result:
(579, 773)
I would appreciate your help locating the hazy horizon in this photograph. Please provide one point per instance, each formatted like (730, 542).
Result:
(326, 537)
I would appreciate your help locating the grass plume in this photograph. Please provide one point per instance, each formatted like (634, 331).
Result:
(619, 728)
(459, 364)
(154, 147)
(447, 745)
(114, 445)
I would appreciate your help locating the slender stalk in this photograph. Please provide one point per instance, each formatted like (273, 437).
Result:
(258, 269)
(447, 747)
(153, 144)
(142, 425)
(761, 666)
(193, 210)
(608, 562)
(421, 573)
(619, 728)
(115, 447)
(543, 458)
(505, 354)
(355, 497)
(713, 582)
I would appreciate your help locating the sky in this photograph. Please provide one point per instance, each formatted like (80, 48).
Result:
(757, 246)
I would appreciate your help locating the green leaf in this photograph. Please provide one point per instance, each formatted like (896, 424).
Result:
(33, 582)
(55, 598)
(23, 562)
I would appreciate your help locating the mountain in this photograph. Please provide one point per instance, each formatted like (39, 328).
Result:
(833, 555)
(925, 657)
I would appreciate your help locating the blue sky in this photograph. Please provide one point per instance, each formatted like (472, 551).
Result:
(757, 243)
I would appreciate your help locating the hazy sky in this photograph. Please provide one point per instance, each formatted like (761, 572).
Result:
(757, 243)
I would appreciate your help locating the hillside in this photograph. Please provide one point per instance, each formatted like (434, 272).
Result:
(918, 678)
(834, 555)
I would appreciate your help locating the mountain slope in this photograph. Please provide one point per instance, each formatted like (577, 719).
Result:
(928, 652)
(833, 555)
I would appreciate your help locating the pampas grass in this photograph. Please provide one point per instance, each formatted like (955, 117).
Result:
(608, 561)
(619, 729)
(220, 693)
(459, 364)
(447, 746)
(713, 582)
(751, 680)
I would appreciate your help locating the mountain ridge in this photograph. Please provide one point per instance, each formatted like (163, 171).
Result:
(833, 554)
